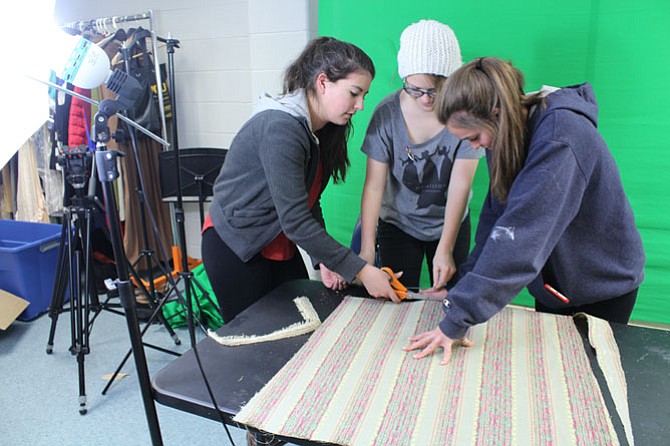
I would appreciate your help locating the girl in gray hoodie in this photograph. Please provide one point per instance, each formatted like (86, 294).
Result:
(266, 198)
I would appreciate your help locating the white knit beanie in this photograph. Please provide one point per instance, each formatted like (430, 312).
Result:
(428, 47)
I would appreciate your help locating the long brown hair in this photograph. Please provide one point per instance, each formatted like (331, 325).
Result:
(337, 59)
(488, 93)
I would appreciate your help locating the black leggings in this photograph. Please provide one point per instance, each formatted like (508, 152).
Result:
(238, 284)
(402, 252)
(617, 309)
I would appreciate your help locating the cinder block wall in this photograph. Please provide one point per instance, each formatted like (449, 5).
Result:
(230, 52)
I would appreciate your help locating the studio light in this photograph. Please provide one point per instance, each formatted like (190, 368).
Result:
(33, 59)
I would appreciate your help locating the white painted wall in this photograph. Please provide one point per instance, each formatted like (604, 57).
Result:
(230, 52)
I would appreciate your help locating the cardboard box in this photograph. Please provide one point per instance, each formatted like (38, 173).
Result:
(10, 308)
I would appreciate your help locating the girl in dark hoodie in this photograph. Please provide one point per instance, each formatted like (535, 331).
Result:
(556, 219)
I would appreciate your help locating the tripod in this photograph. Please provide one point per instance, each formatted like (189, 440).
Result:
(74, 268)
(74, 254)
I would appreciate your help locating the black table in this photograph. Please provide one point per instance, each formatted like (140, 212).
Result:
(236, 374)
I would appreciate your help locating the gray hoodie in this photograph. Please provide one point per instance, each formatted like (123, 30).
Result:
(567, 222)
(263, 186)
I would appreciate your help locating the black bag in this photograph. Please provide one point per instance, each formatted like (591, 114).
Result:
(146, 110)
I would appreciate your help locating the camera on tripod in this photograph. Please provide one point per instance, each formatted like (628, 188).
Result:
(76, 163)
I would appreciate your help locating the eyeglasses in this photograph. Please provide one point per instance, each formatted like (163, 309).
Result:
(418, 92)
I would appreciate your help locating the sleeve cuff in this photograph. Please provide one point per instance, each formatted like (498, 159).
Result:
(451, 330)
(351, 267)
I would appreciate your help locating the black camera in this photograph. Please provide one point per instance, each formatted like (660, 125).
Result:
(76, 163)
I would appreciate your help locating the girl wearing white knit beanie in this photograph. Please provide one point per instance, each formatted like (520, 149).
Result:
(419, 176)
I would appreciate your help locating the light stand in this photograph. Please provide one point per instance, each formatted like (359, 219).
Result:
(147, 254)
(179, 209)
(127, 90)
(181, 260)
(179, 218)
(184, 271)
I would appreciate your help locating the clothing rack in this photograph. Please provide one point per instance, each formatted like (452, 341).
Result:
(109, 25)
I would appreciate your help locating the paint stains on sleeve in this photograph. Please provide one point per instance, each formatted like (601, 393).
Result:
(502, 233)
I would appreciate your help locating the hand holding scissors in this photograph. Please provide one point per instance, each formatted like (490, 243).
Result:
(402, 291)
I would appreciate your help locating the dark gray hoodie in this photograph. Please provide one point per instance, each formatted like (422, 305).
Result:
(263, 185)
(567, 222)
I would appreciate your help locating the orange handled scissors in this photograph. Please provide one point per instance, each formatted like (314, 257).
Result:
(402, 291)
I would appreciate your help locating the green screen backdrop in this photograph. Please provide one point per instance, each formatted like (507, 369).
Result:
(622, 48)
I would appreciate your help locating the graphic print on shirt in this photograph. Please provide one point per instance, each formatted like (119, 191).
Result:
(432, 184)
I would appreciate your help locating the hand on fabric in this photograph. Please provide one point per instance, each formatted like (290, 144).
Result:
(376, 282)
(430, 341)
(331, 279)
(438, 293)
(444, 268)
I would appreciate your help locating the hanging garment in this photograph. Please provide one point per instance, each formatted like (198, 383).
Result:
(80, 119)
(52, 179)
(160, 240)
(31, 205)
(7, 204)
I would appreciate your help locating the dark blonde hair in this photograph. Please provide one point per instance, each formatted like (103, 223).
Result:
(337, 59)
(438, 81)
(488, 93)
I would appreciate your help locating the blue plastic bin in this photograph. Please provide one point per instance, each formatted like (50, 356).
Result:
(28, 260)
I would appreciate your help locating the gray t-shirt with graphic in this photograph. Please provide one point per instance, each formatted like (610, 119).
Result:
(416, 187)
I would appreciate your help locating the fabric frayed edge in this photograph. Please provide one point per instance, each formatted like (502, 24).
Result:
(310, 322)
(602, 340)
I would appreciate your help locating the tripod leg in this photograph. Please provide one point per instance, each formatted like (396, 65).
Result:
(190, 293)
(89, 277)
(82, 343)
(83, 410)
(106, 165)
(125, 358)
(79, 261)
(79, 346)
(68, 273)
(182, 298)
(131, 268)
(154, 304)
(60, 283)
(206, 294)
(116, 372)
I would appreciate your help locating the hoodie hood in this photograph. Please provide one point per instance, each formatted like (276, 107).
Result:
(294, 103)
(579, 99)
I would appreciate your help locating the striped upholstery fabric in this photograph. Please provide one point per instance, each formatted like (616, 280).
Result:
(526, 381)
